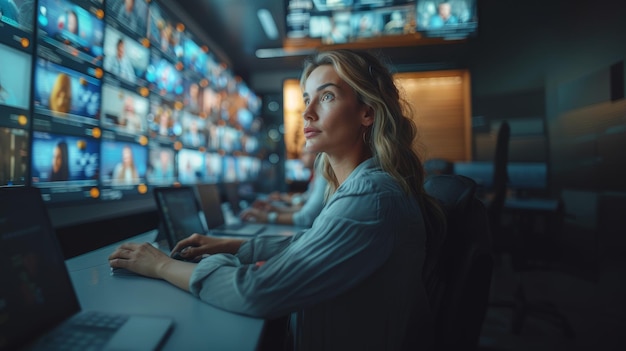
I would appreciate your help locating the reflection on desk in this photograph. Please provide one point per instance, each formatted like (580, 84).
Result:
(197, 324)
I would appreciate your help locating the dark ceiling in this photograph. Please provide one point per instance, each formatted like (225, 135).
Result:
(234, 27)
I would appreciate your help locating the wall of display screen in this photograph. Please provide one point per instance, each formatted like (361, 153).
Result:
(104, 99)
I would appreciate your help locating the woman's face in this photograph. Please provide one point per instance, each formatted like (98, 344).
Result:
(57, 159)
(127, 156)
(333, 117)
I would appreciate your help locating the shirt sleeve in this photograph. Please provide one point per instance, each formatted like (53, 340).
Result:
(349, 236)
(313, 205)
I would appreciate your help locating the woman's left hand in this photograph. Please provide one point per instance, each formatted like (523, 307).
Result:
(143, 259)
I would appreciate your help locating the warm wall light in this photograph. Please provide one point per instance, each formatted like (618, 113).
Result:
(268, 24)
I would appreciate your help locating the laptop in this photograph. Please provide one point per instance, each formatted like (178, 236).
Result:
(211, 204)
(181, 213)
(39, 309)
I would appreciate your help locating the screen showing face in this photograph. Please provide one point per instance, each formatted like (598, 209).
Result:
(124, 111)
(63, 158)
(161, 168)
(63, 92)
(449, 19)
(125, 58)
(71, 28)
(123, 163)
(163, 34)
(130, 15)
(190, 166)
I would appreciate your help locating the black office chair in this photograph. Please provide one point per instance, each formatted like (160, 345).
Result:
(507, 241)
(458, 267)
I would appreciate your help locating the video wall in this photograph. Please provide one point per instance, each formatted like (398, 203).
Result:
(104, 99)
(345, 21)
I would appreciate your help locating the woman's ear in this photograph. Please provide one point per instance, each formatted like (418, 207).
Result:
(368, 118)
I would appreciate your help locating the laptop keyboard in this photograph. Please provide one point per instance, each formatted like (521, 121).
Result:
(87, 331)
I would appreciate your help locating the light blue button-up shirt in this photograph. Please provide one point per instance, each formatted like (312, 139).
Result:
(352, 277)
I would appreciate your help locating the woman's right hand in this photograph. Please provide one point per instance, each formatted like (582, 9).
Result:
(198, 245)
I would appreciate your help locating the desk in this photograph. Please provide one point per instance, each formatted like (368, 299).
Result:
(198, 326)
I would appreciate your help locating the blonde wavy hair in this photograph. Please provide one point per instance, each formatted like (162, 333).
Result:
(392, 135)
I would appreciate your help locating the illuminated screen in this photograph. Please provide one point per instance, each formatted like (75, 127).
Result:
(123, 163)
(190, 166)
(124, 57)
(71, 28)
(124, 111)
(13, 156)
(163, 77)
(129, 15)
(163, 34)
(111, 98)
(161, 167)
(454, 19)
(15, 73)
(344, 21)
(296, 172)
(62, 91)
(17, 13)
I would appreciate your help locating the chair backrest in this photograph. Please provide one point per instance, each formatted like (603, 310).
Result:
(458, 270)
(500, 173)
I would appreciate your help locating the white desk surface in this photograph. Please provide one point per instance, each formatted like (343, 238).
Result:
(197, 325)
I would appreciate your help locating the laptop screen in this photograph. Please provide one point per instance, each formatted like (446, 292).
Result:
(211, 204)
(180, 212)
(35, 289)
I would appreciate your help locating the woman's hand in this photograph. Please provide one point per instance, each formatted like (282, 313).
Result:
(143, 259)
(198, 245)
(254, 215)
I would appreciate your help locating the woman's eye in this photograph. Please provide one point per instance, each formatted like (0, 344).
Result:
(326, 97)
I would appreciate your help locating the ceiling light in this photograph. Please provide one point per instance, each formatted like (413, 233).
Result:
(268, 24)
(280, 52)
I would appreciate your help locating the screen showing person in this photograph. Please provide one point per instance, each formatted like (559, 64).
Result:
(124, 110)
(161, 165)
(17, 13)
(366, 24)
(15, 73)
(247, 170)
(447, 18)
(190, 164)
(162, 32)
(123, 163)
(192, 98)
(194, 131)
(14, 144)
(129, 14)
(71, 26)
(163, 77)
(229, 138)
(213, 163)
(57, 157)
(164, 120)
(62, 90)
(211, 102)
(124, 57)
(229, 169)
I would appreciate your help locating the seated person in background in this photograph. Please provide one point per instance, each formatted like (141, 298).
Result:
(352, 278)
(301, 213)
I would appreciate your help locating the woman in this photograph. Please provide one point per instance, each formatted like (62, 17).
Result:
(354, 275)
(60, 167)
(125, 172)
